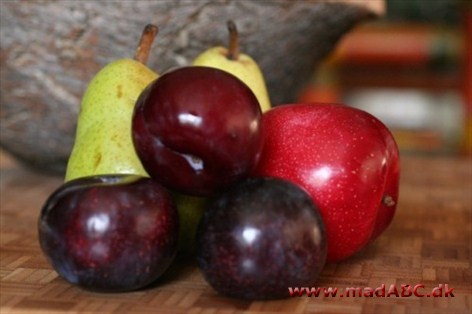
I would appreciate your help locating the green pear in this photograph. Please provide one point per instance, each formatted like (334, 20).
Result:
(190, 209)
(239, 64)
(103, 143)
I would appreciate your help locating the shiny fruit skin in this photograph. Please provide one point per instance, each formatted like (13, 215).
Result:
(345, 158)
(260, 237)
(197, 130)
(109, 233)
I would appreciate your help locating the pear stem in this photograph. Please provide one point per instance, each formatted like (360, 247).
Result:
(144, 47)
(233, 49)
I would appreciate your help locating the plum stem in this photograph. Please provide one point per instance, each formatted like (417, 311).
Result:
(233, 48)
(144, 47)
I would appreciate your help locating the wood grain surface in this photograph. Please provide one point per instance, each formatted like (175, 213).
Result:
(429, 242)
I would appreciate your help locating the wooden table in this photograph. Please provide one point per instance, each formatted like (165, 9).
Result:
(428, 243)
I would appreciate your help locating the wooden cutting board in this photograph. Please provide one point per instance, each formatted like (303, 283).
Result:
(429, 243)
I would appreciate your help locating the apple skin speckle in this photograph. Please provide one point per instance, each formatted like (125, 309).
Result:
(345, 158)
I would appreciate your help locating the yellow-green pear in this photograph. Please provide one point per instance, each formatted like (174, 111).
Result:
(191, 209)
(239, 64)
(103, 143)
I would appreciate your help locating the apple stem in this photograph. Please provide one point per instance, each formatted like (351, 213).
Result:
(388, 200)
(144, 47)
(233, 49)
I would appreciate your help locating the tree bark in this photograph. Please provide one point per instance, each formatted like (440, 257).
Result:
(51, 49)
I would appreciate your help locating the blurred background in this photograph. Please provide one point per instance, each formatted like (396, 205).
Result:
(411, 68)
(408, 62)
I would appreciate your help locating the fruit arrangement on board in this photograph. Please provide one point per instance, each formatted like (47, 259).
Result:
(196, 162)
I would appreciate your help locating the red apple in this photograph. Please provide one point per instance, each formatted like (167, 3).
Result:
(345, 158)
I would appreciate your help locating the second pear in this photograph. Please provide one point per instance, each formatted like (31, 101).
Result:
(240, 65)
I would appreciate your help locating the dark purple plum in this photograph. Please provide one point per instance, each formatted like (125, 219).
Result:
(109, 233)
(196, 130)
(260, 237)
